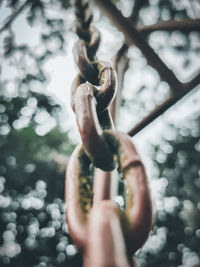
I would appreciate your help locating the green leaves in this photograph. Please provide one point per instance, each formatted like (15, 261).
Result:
(32, 177)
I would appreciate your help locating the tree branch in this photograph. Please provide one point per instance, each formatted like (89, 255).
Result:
(185, 25)
(121, 61)
(136, 9)
(132, 36)
(160, 109)
(193, 82)
(13, 16)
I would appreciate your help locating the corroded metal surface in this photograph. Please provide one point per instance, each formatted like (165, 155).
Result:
(117, 232)
(102, 230)
(107, 235)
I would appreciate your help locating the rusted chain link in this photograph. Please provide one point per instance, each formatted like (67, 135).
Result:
(123, 154)
(85, 49)
(107, 82)
(107, 235)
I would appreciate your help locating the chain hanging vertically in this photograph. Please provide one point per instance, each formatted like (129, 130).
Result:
(107, 235)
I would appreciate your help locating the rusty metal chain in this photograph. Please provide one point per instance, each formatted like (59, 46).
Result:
(89, 39)
(107, 235)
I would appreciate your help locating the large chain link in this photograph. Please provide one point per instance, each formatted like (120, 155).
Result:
(107, 235)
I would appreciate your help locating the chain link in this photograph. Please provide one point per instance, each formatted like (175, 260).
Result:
(102, 226)
(85, 49)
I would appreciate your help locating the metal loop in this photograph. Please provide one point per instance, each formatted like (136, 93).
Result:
(82, 33)
(90, 129)
(84, 18)
(77, 81)
(108, 82)
(117, 234)
(106, 149)
(94, 42)
(84, 56)
(78, 195)
(80, 7)
(135, 220)
(82, 26)
(88, 69)
(106, 234)
(105, 95)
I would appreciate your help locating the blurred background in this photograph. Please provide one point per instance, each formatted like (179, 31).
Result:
(38, 131)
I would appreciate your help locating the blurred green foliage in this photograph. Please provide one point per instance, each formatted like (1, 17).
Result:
(34, 150)
(175, 239)
(32, 173)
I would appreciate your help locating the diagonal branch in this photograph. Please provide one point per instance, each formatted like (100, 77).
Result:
(160, 109)
(185, 25)
(13, 16)
(193, 82)
(121, 61)
(136, 9)
(132, 36)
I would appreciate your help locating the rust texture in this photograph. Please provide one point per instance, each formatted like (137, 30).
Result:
(102, 230)
(107, 235)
